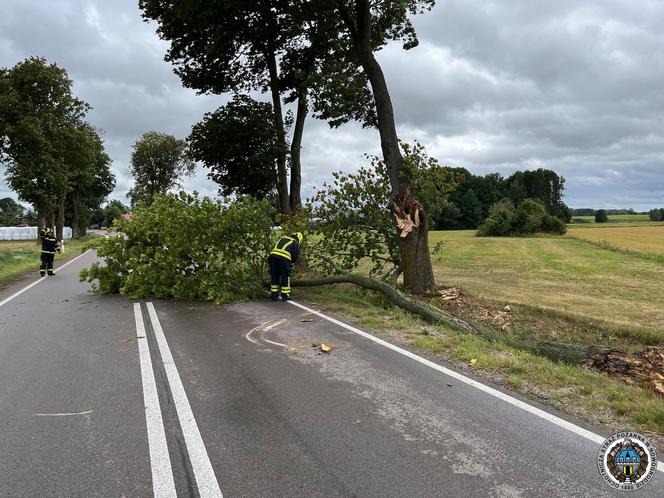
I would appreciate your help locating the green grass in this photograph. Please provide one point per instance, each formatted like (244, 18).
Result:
(576, 390)
(561, 274)
(20, 257)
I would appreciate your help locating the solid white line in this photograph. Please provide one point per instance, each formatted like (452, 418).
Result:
(596, 438)
(208, 487)
(163, 483)
(41, 279)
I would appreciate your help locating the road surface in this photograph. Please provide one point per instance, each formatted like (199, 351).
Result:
(104, 396)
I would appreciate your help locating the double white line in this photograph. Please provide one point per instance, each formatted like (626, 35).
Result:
(163, 483)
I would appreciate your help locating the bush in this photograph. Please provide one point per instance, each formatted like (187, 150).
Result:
(656, 215)
(601, 216)
(528, 218)
(500, 220)
(186, 248)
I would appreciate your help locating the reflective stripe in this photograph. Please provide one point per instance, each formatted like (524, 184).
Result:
(48, 252)
(274, 288)
(281, 251)
(283, 254)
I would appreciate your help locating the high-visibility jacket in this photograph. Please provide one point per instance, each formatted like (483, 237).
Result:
(287, 248)
(49, 244)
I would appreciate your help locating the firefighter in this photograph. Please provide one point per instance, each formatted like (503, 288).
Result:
(49, 247)
(282, 257)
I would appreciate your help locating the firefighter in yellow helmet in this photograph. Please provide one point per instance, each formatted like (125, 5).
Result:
(282, 258)
(49, 247)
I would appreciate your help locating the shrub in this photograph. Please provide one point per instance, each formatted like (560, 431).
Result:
(500, 220)
(656, 215)
(601, 216)
(188, 248)
(528, 218)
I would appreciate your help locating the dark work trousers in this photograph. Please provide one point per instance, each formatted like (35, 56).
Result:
(280, 270)
(46, 263)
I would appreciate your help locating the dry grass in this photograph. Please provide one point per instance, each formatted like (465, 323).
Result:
(647, 240)
(564, 274)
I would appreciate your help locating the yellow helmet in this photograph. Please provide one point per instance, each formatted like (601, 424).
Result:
(299, 237)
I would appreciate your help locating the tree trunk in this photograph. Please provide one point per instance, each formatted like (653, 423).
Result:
(60, 219)
(296, 147)
(41, 219)
(282, 174)
(76, 200)
(414, 246)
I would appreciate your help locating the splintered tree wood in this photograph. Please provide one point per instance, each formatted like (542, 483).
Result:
(646, 368)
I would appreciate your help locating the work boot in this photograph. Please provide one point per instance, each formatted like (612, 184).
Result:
(51, 274)
(274, 296)
(285, 297)
(42, 273)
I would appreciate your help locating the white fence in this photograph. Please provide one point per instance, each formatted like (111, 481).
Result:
(27, 233)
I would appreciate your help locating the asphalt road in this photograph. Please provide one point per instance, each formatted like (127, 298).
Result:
(102, 396)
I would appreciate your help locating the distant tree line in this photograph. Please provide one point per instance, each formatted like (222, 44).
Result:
(470, 204)
(12, 213)
(609, 212)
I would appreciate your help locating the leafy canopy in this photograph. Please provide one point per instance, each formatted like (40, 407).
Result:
(238, 143)
(187, 248)
(158, 162)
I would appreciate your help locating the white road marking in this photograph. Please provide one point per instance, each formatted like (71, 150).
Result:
(41, 279)
(276, 324)
(270, 327)
(163, 484)
(62, 414)
(206, 481)
(580, 431)
(248, 334)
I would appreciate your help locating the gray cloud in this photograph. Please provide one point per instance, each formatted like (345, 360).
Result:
(493, 86)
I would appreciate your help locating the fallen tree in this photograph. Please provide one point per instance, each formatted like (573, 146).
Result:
(557, 351)
(646, 368)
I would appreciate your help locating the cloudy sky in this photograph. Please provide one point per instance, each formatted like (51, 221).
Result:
(577, 87)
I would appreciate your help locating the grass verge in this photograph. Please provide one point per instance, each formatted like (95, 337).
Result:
(20, 257)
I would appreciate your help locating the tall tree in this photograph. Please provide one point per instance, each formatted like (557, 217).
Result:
(239, 145)
(363, 27)
(38, 114)
(158, 162)
(91, 177)
(229, 46)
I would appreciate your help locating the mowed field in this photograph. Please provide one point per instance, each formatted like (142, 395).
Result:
(565, 274)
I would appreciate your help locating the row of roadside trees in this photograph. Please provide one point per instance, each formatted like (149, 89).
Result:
(55, 160)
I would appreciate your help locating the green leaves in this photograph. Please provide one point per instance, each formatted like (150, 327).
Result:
(187, 248)
(238, 143)
(158, 161)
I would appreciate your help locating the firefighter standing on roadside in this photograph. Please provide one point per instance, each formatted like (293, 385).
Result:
(282, 258)
(49, 246)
